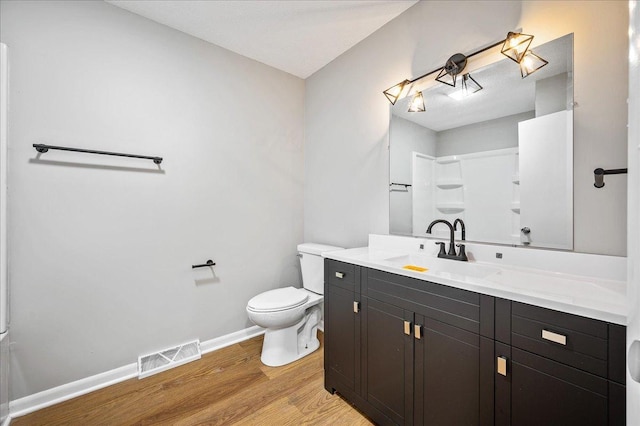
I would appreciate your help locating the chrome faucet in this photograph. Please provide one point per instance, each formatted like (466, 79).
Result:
(451, 254)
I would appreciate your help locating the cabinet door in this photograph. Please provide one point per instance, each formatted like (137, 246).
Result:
(545, 392)
(388, 359)
(342, 340)
(454, 376)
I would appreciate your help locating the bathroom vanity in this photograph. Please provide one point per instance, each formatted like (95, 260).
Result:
(474, 343)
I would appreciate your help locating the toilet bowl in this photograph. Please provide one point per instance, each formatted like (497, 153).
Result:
(291, 329)
(291, 315)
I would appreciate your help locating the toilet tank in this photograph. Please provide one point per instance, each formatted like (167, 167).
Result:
(312, 265)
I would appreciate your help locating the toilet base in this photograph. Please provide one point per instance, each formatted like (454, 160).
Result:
(286, 345)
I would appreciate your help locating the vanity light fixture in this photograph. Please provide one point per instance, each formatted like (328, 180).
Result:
(516, 46)
(454, 66)
(393, 93)
(417, 103)
(531, 63)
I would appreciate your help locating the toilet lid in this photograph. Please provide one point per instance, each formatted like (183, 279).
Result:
(278, 299)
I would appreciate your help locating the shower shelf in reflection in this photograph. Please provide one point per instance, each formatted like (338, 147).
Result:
(447, 160)
(450, 207)
(449, 183)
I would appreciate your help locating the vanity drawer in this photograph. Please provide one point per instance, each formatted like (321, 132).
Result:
(570, 339)
(341, 274)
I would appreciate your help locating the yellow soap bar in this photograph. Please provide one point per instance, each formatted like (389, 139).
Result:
(415, 268)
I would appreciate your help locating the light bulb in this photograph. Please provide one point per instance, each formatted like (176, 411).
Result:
(417, 103)
(531, 63)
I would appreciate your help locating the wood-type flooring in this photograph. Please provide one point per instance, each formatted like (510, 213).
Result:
(226, 387)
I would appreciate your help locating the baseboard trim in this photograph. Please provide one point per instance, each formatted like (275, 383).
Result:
(230, 339)
(46, 398)
(49, 397)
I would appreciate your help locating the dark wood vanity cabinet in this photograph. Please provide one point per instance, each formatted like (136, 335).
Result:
(424, 352)
(433, 334)
(342, 343)
(411, 352)
(387, 361)
(558, 368)
(451, 384)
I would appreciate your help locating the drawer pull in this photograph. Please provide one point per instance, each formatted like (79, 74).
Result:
(554, 337)
(407, 328)
(340, 275)
(417, 331)
(356, 307)
(501, 365)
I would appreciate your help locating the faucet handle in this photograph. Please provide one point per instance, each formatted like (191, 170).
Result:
(462, 254)
(441, 253)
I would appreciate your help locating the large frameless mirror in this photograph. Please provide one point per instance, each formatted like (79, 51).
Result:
(499, 157)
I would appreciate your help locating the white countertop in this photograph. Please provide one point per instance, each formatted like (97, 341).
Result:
(593, 297)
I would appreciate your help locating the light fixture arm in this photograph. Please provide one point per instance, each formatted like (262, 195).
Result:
(477, 52)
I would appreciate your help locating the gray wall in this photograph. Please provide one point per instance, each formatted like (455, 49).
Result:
(102, 248)
(346, 157)
(553, 94)
(488, 135)
(408, 137)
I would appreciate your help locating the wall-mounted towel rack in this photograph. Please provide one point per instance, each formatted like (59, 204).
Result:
(209, 263)
(404, 187)
(44, 148)
(599, 173)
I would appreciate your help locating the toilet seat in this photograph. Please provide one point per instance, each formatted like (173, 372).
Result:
(280, 299)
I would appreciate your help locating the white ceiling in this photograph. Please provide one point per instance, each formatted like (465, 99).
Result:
(298, 37)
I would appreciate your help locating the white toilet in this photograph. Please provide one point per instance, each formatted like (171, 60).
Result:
(291, 315)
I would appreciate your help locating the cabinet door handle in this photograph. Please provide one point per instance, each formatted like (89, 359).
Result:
(501, 365)
(554, 337)
(417, 331)
(356, 307)
(340, 275)
(407, 328)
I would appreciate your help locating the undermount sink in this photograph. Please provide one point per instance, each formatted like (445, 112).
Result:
(441, 267)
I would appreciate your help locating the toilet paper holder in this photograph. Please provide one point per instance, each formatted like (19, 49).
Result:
(209, 263)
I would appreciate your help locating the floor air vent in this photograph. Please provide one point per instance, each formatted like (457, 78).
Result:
(168, 358)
